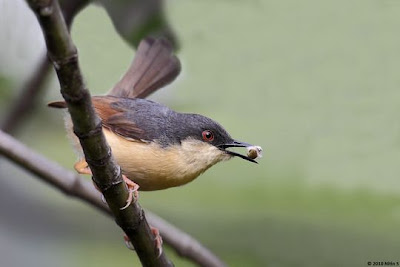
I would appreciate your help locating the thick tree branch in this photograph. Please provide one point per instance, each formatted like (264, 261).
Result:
(87, 126)
(73, 185)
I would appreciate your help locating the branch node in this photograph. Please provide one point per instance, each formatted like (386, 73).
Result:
(96, 131)
(105, 187)
(99, 162)
(110, 184)
(74, 99)
(65, 60)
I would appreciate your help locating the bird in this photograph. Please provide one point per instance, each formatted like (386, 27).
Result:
(155, 146)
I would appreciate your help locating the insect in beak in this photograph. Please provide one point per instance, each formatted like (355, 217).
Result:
(239, 144)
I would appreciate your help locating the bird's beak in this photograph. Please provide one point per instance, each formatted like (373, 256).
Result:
(235, 143)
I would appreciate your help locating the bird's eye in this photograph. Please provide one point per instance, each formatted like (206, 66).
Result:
(208, 136)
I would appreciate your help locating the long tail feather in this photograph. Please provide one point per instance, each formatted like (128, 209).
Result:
(153, 67)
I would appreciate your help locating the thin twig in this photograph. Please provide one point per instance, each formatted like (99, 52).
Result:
(87, 126)
(73, 185)
(27, 97)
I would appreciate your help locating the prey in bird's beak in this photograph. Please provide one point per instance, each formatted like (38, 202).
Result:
(253, 152)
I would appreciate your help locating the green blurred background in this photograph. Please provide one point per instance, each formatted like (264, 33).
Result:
(315, 83)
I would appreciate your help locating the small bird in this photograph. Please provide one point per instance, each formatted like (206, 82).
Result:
(156, 147)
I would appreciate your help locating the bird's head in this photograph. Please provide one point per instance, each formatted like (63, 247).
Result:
(207, 138)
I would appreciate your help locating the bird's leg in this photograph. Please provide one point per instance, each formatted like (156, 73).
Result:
(82, 167)
(157, 239)
(133, 191)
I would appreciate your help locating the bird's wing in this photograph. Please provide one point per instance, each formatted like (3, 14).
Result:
(116, 119)
(114, 116)
(153, 67)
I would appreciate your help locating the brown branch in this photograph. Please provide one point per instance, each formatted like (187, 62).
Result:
(73, 185)
(87, 126)
(31, 90)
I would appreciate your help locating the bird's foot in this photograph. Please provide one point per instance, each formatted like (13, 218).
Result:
(133, 192)
(157, 239)
(82, 167)
(128, 243)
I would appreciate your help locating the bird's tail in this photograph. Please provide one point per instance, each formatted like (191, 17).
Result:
(153, 67)
(57, 104)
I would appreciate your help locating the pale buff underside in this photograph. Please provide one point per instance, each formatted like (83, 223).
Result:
(154, 167)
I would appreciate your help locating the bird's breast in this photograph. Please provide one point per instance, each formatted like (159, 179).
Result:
(154, 167)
